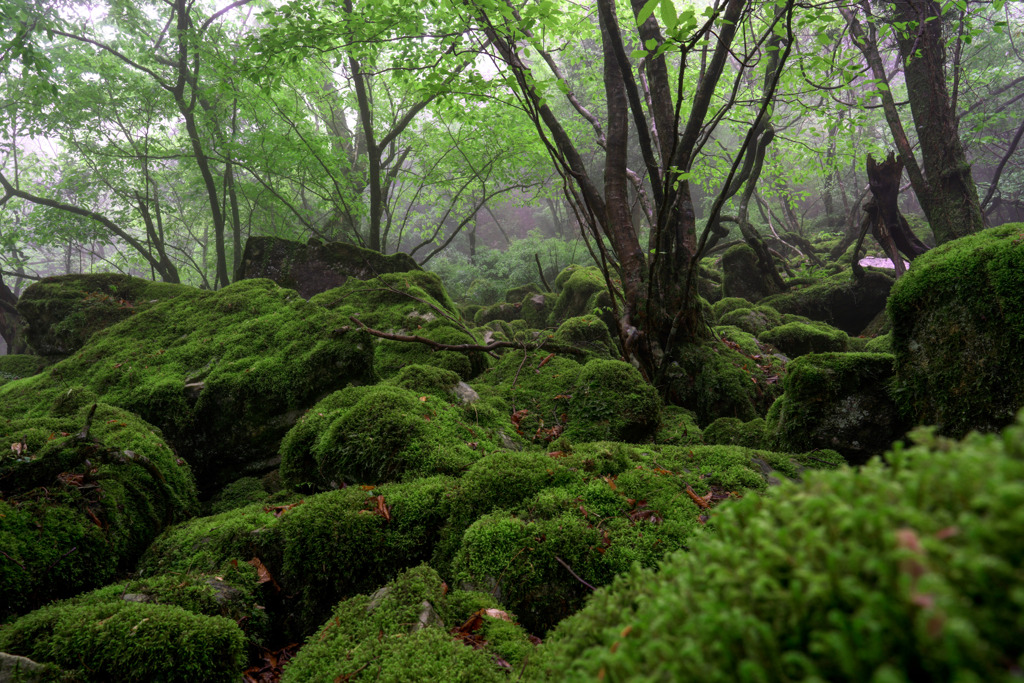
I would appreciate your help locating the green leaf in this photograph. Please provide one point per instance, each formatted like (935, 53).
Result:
(646, 11)
(669, 18)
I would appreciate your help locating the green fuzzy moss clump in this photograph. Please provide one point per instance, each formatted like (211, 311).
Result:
(729, 431)
(727, 305)
(836, 400)
(63, 311)
(18, 365)
(78, 511)
(797, 339)
(612, 402)
(754, 320)
(958, 332)
(412, 303)
(579, 294)
(840, 300)
(586, 332)
(535, 309)
(882, 344)
(239, 493)
(319, 549)
(223, 374)
(517, 294)
(399, 634)
(381, 433)
(501, 311)
(678, 427)
(426, 379)
(117, 640)
(598, 509)
(888, 573)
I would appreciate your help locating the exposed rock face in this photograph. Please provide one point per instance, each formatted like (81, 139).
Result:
(315, 267)
(958, 332)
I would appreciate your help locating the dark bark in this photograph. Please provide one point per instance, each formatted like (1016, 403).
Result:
(888, 225)
(12, 325)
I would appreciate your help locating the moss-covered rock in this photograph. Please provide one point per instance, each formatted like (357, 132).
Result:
(678, 427)
(535, 309)
(836, 400)
(612, 402)
(426, 379)
(727, 305)
(119, 640)
(958, 332)
(318, 550)
(583, 291)
(840, 300)
(589, 333)
(316, 267)
(729, 431)
(742, 276)
(18, 365)
(903, 572)
(81, 497)
(752, 320)
(501, 311)
(399, 633)
(223, 374)
(593, 513)
(413, 303)
(798, 339)
(882, 344)
(517, 294)
(63, 311)
(367, 435)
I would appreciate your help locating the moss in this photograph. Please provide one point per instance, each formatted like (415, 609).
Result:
(727, 305)
(598, 509)
(579, 294)
(798, 339)
(501, 311)
(426, 379)
(20, 365)
(678, 427)
(63, 311)
(836, 400)
(612, 402)
(78, 512)
(517, 294)
(129, 641)
(393, 635)
(860, 344)
(958, 332)
(752, 320)
(586, 332)
(535, 309)
(239, 493)
(882, 344)
(223, 374)
(320, 550)
(731, 431)
(900, 572)
(381, 433)
(564, 275)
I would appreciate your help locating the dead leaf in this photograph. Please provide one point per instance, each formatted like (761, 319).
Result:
(701, 501)
(278, 510)
(263, 574)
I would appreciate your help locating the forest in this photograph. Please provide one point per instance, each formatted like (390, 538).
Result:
(473, 340)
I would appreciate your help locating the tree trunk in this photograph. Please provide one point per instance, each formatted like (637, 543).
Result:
(952, 199)
(12, 326)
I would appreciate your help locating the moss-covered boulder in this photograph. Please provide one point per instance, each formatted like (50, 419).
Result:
(550, 527)
(318, 549)
(18, 365)
(410, 304)
(517, 294)
(223, 374)
(958, 332)
(840, 401)
(371, 435)
(840, 300)
(535, 309)
(753, 320)
(500, 311)
(63, 311)
(119, 640)
(612, 402)
(81, 497)
(727, 305)
(798, 339)
(401, 633)
(587, 332)
(316, 267)
(581, 293)
(730, 431)
(909, 571)
(742, 276)
(678, 427)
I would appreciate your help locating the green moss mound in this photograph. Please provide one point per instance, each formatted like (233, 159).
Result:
(839, 300)
(400, 634)
(579, 294)
(730, 431)
(18, 365)
(426, 379)
(836, 400)
(546, 526)
(129, 641)
(587, 332)
(413, 303)
(755, 320)
(798, 339)
(223, 374)
(902, 572)
(612, 402)
(79, 509)
(678, 427)
(727, 305)
(958, 332)
(63, 311)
